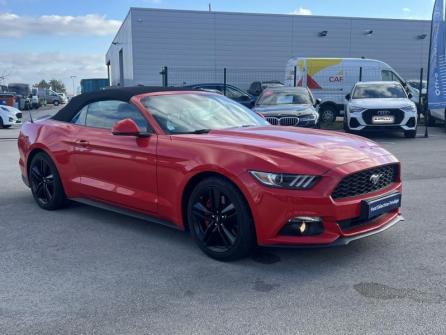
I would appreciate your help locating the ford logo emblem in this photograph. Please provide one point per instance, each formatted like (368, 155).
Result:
(375, 178)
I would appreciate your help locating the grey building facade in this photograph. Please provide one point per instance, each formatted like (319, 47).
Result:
(197, 45)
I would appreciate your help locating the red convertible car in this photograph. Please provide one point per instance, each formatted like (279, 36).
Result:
(201, 162)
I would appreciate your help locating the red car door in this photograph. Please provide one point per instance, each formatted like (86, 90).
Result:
(119, 170)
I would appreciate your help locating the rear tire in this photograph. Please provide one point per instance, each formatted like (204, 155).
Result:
(220, 221)
(45, 183)
(56, 103)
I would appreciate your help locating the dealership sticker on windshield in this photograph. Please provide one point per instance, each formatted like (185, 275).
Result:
(376, 207)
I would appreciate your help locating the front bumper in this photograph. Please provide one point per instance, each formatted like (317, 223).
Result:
(356, 122)
(273, 208)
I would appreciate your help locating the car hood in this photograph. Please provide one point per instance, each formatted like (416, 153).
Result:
(286, 147)
(381, 103)
(9, 109)
(284, 109)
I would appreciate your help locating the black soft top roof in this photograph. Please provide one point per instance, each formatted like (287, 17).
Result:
(122, 94)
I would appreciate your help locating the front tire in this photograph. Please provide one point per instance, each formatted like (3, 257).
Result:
(328, 114)
(410, 133)
(45, 183)
(220, 221)
(2, 125)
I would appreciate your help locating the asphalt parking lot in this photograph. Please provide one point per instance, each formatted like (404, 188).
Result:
(83, 270)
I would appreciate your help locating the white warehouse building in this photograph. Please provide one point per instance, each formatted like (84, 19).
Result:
(196, 46)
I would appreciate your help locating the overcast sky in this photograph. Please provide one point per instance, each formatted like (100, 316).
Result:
(43, 39)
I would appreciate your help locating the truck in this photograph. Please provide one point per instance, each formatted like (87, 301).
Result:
(94, 84)
(331, 79)
(23, 95)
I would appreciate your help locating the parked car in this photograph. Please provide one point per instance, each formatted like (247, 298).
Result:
(232, 92)
(202, 162)
(51, 97)
(380, 106)
(288, 106)
(415, 83)
(329, 79)
(9, 116)
(437, 115)
(256, 88)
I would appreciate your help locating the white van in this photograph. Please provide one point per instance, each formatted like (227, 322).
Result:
(330, 79)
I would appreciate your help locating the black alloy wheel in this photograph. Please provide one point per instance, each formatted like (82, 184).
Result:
(327, 114)
(220, 221)
(45, 183)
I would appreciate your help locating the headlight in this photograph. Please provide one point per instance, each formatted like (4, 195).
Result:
(356, 109)
(308, 117)
(409, 109)
(282, 180)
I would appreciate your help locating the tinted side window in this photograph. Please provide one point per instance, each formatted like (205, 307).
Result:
(80, 116)
(104, 114)
(387, 75)
(233, 94)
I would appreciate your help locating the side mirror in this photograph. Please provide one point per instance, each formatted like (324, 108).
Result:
(245, 98)
(410, 95)
(318, 102)
(128, 127)
(348, 96)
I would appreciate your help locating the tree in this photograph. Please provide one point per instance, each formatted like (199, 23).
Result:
(3, 75)
(57, 86)
(42, 84)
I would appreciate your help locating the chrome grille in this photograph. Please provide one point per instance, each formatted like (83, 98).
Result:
(361, 182)
(273, 120)
(283, 121)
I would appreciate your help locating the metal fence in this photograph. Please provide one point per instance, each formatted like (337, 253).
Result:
(328, 85)
(243, 77)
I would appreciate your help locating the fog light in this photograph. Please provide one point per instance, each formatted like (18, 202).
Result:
(303, 226)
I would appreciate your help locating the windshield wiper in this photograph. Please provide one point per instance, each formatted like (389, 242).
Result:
(198, 131)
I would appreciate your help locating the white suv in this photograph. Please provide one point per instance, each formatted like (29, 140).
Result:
(9, 116)
(380, 106)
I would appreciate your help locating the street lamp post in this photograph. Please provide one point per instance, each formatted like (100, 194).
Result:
(72, 78)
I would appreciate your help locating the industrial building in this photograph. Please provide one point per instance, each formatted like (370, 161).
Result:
(197, 45)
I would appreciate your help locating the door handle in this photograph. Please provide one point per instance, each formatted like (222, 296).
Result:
(83, 143)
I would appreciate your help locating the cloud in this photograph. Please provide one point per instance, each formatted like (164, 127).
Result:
(301, 11)
(406, 10)
(13, 25)
(32, 67)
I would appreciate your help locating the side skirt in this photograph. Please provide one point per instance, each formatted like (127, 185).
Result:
(125, 211)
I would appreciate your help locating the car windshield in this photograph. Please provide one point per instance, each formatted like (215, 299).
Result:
(199, 113)
(271, 98)
(381, 91)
